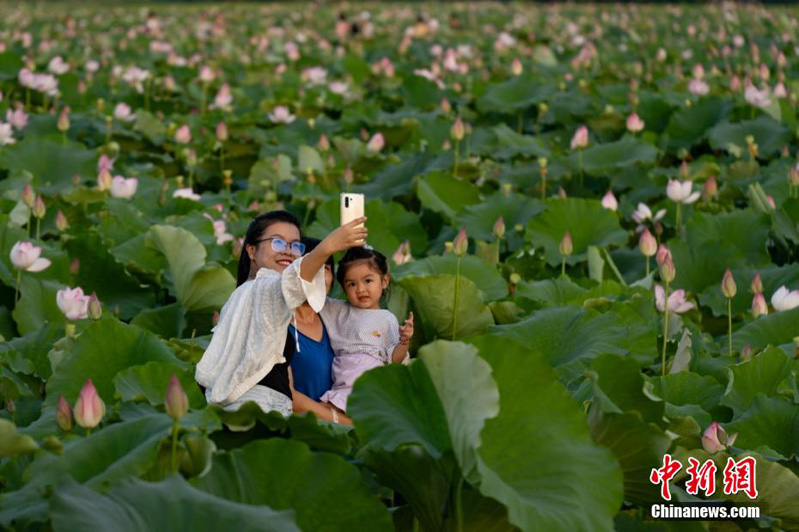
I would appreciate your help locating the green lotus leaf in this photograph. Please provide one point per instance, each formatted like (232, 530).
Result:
(775, 329)
(198, 285)
(105, 348)
(37, 305)
(590, 225)
(308, 480)
(602, 158)
(769, 135)
(778, 488)
(557, 480)
(511, 144)
(516, 94)
(619, 387)
(149, 382)
(51, 163)
(434, 302)
(515, 209)
(687, 388)
(703, 265)
(308, 157)
(557, 292)
(482, 274)
(745, 230)
(396, 180)
(770, 425)
(167, 322)
(136, 505)
(763, 373)
(12, 442)
(28, 354)
(689, 126)
(445, 194)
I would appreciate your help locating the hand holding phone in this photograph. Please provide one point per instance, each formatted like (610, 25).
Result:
(352, 208)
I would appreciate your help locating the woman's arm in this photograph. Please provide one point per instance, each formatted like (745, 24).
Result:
(343, 238)
(302, 403)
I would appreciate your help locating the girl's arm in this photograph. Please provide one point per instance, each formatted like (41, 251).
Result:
(400, 353)
(341, 239)
(302, 403)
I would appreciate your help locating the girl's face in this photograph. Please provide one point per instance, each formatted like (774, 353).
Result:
(263, 256)
(364, 285)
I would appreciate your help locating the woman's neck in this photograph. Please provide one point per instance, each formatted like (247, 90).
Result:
(305, 314)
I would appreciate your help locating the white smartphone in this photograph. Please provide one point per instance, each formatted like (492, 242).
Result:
(351, 207)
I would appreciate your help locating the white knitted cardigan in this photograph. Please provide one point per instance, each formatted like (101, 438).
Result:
(249, 338)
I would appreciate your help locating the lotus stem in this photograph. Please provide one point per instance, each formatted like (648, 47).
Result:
(665, 331)
(19, 279)
(543, 185)
(459, 504)
(647, 266)
(174, 445)
(88, 432)
(615, 269)
(222, 158)
(521, 121)
(38, 228)
(457, 298)
(563, 266)
(678, 217)
(455, 166)
(580, 162)
(729, 322)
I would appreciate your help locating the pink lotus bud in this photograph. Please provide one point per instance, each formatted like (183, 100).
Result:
(759, 306)
(757, 284)
(324, 144)
(715, 438)
(711, 188)
(183, 134)
(461, 242)
(516, 67)
(609, 201)
(566, 246)
(26, 256)
(746, 353)
(647, 244)
(215, 318)
(63, 414)
(95, 309)
(28, 196)
(634, 123)
(63, 120)
(457, 131)
(89, 408)
(793, 176)
(403, 254)
(349, 176)
(663, 253)
(61, 222)
(177, 402)
(39, 210)
(446, 107)
(74, 267)
(580, 138)
(667, 270)
(221, 132)
(104, 180)
(728, 286)
(770, 201)
(376, 143)
(499, 227)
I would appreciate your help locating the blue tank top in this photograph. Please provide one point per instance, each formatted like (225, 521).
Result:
(312, 365)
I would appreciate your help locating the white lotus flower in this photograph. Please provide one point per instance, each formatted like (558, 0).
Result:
(609, 201)
(58, 66)
(123, 113)
(757, 98)
(124, 188)
(6, 134)
(26, 256)
(281, 115)
(643, 213)
(186, 193)
(784, 299)
(680, 192)
(697, 87)
(73, 303)
(677, 302)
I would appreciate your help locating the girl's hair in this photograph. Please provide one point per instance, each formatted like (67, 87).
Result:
(256, 230)
(376, 260)
(310, 243)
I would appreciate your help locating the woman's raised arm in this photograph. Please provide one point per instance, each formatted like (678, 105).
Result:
(343, 238)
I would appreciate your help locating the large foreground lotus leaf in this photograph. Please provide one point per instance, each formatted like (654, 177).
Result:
(445, 194)
(514, 95)
(99, 272)
(688, 388)
(770, 426)
(12, 442)
(619, 387)
(778, 490)
(172, 504)
(515, 209)
(689, 125)
(307, 481)
(198, 285)
(590, 225)
(775, 329)
(105, 348)
(638, 446)
(434, 301)
(761, 374)
(602, 158)
(482, 274)
(51, 163)
(537, 457)
(769, 135)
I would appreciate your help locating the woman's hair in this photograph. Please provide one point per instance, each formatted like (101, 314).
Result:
(256, 230)
(310, 243)
(376, 260)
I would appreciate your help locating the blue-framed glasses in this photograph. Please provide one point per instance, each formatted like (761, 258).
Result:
(280, 245)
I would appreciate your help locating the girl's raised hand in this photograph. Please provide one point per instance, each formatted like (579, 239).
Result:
(406, 330)
(346, 236)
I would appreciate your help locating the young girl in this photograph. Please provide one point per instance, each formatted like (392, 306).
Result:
(363, 335)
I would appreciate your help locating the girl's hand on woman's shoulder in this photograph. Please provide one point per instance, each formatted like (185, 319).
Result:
(345, 237)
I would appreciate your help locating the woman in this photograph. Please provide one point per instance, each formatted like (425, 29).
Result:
(245, 360)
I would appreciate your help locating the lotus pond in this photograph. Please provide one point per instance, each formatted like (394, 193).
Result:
(592, 211)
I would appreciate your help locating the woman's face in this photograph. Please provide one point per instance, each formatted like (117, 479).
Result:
(263, 256)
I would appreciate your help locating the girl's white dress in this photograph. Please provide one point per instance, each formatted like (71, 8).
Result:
(362, 339)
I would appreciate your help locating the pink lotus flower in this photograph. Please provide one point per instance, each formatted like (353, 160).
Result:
(124, 188)
(634, 123)
(783, 299)
(677, 302)
(680, 192)
(186, 193)
(58, 66)
(6, 135)
(281, 115)
(647, 244)
(663, 254)
(697, 87)
(580, 138)
(609, 201)
(376, 143)
(73, 303)
(122, 112)
(89, 408)
(177, 402)
(183, 134)
(759, 306)
(17, 118)
(715, 438)
(105, 163)
(223, 98)
(206, 74)
(26, 256)
(516, 67)
(757, 98)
